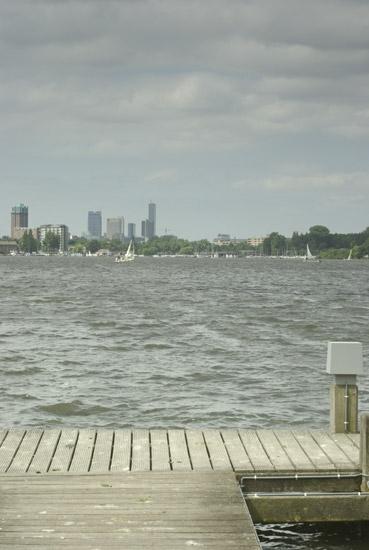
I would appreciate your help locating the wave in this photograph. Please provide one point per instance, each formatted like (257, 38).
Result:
(73, 408)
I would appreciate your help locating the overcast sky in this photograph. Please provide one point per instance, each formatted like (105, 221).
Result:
(233, 116)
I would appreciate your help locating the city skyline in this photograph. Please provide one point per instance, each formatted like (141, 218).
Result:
(237, 117)
(129, 228)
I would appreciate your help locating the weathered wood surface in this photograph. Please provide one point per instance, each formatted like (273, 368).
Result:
(132, 510)
(242, 451)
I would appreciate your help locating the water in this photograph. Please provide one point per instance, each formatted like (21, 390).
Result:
(179, 342)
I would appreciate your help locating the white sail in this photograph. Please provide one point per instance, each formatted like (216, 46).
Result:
(350, 255)
(129, 256)
(309, 255)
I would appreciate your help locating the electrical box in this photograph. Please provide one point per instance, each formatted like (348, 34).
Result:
(345, 358)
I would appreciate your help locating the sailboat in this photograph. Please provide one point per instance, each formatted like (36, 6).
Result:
(309, 256)
(129, 256)
(350, 255)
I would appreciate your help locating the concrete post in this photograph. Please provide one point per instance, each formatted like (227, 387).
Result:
(364, 451)
(344, 362)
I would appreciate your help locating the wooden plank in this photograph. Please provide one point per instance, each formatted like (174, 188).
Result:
(64, 451)
(295, 453)
(9, 447)
(333, 451)
(102, 451)
(236, 451)
(156, 511)
(45, 452)
(313, 450)
(355, 438)
(197, 450)
(274, 450)
(255, 451)
(179, 456)
(3, 434)
(26, 451)
(217, 451)
(81, 459)
(160, 460)
(121, 457)
(140, 451)
(348, 447)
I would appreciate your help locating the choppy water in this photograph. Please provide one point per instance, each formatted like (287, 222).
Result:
(178, 342)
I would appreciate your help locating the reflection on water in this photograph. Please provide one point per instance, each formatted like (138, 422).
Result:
(328, 536)
(178, 342)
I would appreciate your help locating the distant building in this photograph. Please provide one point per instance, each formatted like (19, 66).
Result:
(222, 239)
(147, 230)
(115, 228)
(19, 219)
(131, 230)
(152, 220)
(7, 246)
(148, 226)
(94, 224)
(255, 241)
(20, 231)
(60, 230)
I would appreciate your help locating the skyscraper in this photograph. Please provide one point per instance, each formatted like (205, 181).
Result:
(147, 230)
(152, 220)
(94, 225)
(115, 228)
(131, 231)
(19, 219)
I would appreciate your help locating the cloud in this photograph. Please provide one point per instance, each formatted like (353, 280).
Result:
(180, 75)
(162, 177)
(355, 183)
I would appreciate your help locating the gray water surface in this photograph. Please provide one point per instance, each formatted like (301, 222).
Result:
(176, 342)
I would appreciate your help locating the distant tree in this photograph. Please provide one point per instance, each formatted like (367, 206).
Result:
(187, 249)
(319, 237)
(51, 242)
(93, 246)
(28, 243)
(275, 244)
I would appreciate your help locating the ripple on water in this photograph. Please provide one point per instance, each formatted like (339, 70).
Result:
(73, 408)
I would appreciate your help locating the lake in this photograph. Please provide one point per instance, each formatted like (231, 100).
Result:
(180, 342)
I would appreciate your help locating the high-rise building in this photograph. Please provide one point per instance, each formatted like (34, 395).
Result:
(19, 219)
(94, 225)
(147, 230)
(115, 228)
(152, 219)
(60, 230)
(131, 229)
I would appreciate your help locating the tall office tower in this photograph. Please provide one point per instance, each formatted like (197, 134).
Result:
(19, 218)
(152, 219)
(131, 228)
(115, 228)
(94, 225)
(147, 229)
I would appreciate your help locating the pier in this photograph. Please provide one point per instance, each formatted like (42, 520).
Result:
(180, 488)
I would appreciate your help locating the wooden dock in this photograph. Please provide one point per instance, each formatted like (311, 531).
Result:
(175, 488)
(151, 510)
(139, 450)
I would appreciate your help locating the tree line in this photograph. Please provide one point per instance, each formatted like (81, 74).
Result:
(321, 242)
(319, 238)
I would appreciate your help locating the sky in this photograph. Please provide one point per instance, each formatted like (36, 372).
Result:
(233, 116)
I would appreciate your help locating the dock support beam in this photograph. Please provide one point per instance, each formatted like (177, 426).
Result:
(344, 408)
(364, 452)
